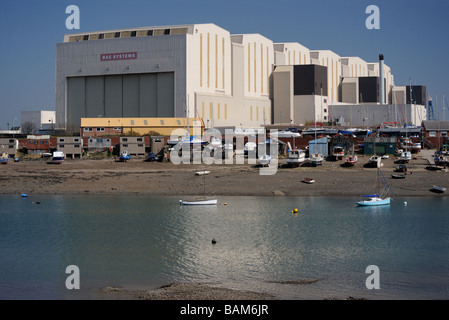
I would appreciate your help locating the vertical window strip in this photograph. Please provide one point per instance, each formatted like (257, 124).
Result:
(261, 67)
(336, 79)
(203, 113)
(257, 113)
(216, 61)
(332, 65)
(267, 75)
(201, 59)
(249, 67)
(255, 68)
(218, 111)
(251, 113)
(223, 62)
(208, 60)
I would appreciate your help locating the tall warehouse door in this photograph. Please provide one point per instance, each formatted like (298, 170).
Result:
(113, 96)
(120, 96)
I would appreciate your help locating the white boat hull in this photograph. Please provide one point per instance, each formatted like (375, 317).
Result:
(202, 173)
(198, 202)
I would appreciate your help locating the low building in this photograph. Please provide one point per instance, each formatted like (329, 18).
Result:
(37, 145)
(134, 145)
(71, 146)
(340, 140)
(99, 144)
(435, 133)
(100, 127)
(380, 146)
(9, 145)
(319, 146)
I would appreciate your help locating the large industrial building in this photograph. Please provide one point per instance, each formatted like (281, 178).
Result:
(202, 71)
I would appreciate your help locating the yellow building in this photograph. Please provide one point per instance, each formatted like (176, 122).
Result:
(96, 127)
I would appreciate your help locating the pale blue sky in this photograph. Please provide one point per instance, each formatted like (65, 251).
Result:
(413, 36)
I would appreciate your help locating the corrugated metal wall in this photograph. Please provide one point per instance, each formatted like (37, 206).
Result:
(131, 95)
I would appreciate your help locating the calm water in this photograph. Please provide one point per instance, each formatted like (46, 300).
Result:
(139, 242)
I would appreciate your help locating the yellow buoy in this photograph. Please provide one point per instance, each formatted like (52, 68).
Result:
(295, 211)
(225, 203)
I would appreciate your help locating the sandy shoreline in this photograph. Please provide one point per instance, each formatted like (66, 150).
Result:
(136, 177)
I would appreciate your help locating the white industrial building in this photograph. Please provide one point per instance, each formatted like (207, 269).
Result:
(201, 70)
(42, 121)
(171, 71)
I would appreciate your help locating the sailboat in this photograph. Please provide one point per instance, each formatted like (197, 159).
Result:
(381, 198)
(199, 201)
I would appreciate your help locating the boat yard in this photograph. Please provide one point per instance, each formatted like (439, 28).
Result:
(138, 177)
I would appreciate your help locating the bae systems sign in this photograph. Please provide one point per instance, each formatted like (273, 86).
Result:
(119, 56)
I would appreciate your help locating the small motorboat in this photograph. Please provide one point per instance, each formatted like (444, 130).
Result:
(437, 189)
(308, 180)
(198, 202)
(151, 157)
(124, 156)
(398, 176)
(406, 156)
(338, 152)
(295, 157)
(58, 157)
(202, 173)
(4, 158)
(375, 161)
(265, 160)
(401, 168)
(316, 159)
(351, 160)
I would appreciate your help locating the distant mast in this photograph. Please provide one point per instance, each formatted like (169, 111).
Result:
(381, 80)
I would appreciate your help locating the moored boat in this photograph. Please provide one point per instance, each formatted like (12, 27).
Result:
(374, 200)
(198, 202)
(406, 156)
(295, 157)
(316, 159)
(438, 189)
(201, 173)
(398, 176)
(4, 158)
(351, 160)
(375, 161)
(125, 156)
(308, 180)
(58, 157)
(381, 198)
(338, 152)
(265, 160)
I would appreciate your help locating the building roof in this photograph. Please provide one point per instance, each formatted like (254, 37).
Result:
(138, 122)
(434, 125)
